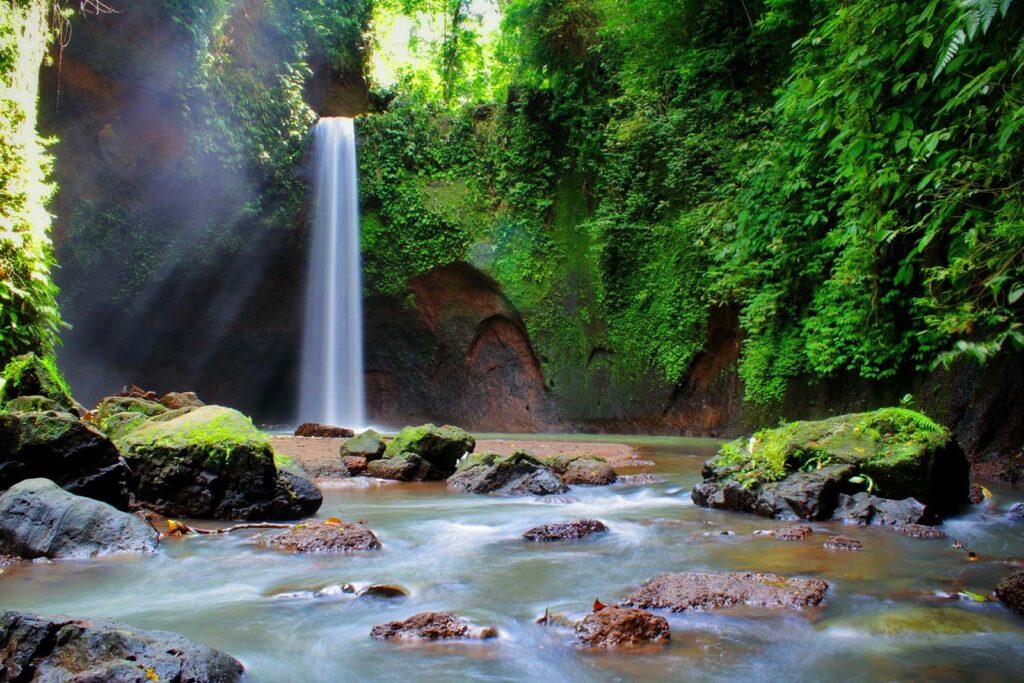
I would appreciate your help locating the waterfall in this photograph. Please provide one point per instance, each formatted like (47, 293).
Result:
(331, 389)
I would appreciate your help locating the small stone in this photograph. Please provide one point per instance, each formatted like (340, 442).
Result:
(320, 536)
(977, 494)
(621, 627)
(920, 531)
(642, 478)
(384, 590)
(313, 429)
(793, 533)
(589, 472)
(356, 465)
(431, 626)
(843, 543)
(712, 590)
(562, 531)
(181, 399)
(1010, 590)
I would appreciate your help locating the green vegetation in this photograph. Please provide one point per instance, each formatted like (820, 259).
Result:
(214, 431)
(30, 375)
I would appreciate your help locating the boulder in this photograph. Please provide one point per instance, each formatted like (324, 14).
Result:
(920, 531)
(864, 508)
(712, 590)
(31, 375)
(62, 448)
(1016, 512)
(40, 519)
(322, 536)
(432, 626)
(1010, 591)
(62, 649)
(113, 405)
(211, 462)
(583, 470)
(518, 474)
(792, 533)
(354, 465)
(440, 446)
(181, 399)
(314, 429)
(369, 445)
(561, 531)
(801, 469)
(35, 404)
(404, 467)
(621, 626)
(842, 543)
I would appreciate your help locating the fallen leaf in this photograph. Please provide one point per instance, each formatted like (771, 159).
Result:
(176, 528)
(598, 605)
(151, 674)
(333, 521)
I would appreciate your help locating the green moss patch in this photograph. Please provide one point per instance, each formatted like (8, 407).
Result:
(32, 375)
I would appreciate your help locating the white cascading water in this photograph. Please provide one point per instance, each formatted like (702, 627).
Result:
(332, 390)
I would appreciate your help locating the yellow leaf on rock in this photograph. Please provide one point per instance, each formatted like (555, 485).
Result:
(334, 521)
(151, 673)
(176, 528)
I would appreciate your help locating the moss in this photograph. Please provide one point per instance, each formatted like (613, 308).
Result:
(32, 404)
(43, 428)
(875, 440)
(213, 430)
(283, 461)
(119, 424)
(126, 404)
(32, 375)
(560, 463)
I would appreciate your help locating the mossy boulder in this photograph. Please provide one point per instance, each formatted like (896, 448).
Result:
(62, 448)
(32, 375)
(211, 462)
(582, 470)
(801, 469)
(113, 405)
(369, 445)
(440, 446)
(404, 467)
(34, 404)
(508, 475)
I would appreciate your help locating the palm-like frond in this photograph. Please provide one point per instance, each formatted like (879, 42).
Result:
(974, 15)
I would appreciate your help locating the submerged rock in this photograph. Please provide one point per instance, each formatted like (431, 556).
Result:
(864, 508)
(1010, 591)
(712, 590)
(562, 531)
(320, 536)
(383, 590)
(799, 470)
(31, 375)
(62, 649)
(916, 619)
(843, 543)
(792, 533)
(432, 626)
(62, 448)
(1016, 512)
(404, 467)
(39, 519)
(313, 429)
(509, 475)
(621, 626)
(212, 462)
(920, 531)
(440, 446)
(368, 445)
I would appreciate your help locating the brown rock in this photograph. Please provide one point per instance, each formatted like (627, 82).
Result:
(589, 472)
(319, 536)
(137, 392)
(621, 626)
(561, 531)
(1010, 590)
(431, 626)
(384, 590)
(184, 399)
(976, 495)
(920, 531)
(355, 464)
(843, 543)
(323, 431)
(792, 533)
(711, 590)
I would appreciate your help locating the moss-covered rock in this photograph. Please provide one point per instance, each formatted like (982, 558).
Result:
(33, 404)
(62, 448)
(31, 375)
(509, 475)
(800, 469)
(210, 462)
(404, 467)
(112, 405)
(440, 446)
(368, 444)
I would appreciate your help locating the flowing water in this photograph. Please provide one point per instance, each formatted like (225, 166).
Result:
(331, 388)
(887, 616)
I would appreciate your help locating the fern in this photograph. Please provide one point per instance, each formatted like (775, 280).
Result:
(974, 14)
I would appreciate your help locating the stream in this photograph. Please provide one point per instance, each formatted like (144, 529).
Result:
(888, 615)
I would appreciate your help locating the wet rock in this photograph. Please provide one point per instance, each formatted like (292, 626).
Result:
(916, 619)
(589, 472)
(712, 590)
(562, 531)
(920, 531)
(440, 446)
(864, 508)
(39, 519)
(792, 533)
(211, 462)
(800, 469)
(34, 404)
(319, 536)
(976, 495)
(112, 405)
(32, 375)
(621, 626)
(843, 543)
(175, 400)
(642, 478)
(404, 467)
(62, 649)
(138, 392)
(383, 590)
(368, 445)
(354, 465)
(314, 429)
(1010, 591)
(432, 626)
(1016, 512)
(518, 474)
(59, 447)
